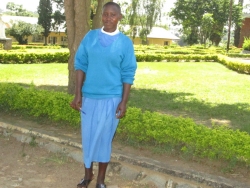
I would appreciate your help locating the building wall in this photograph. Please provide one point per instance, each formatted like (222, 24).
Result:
(157, 41)
(54, 38)
(57, 38)
(245, 31)
(136, 40)
(162, 42)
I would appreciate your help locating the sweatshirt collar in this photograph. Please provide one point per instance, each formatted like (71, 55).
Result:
(111, 34)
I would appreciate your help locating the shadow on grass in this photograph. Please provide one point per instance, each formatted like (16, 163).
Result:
(235, 115)
(47, 87)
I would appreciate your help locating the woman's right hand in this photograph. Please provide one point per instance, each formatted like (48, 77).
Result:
(76, 103)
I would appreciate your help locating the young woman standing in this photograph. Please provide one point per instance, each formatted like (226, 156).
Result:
(105, 67)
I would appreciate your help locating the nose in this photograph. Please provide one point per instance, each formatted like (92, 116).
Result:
(108, 17)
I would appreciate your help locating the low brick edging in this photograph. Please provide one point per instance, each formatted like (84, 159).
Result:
(7, 43)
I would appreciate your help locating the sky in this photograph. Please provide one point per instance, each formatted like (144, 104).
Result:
(32, 5)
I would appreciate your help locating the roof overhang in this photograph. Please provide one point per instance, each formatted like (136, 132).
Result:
(246, 15)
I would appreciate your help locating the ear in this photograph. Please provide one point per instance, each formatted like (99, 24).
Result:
(120, 17)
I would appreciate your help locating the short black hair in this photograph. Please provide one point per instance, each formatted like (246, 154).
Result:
(113, 4)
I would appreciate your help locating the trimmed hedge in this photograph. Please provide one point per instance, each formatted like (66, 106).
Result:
(143, 57)
(54, 105)
(235, 65)
(62, 57)
(35, 46)
(218, 142)
(26, 58)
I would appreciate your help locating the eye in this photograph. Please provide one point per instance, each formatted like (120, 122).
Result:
(113, 16)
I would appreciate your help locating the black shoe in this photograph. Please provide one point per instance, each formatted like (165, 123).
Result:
(100, 185)
(84, 183)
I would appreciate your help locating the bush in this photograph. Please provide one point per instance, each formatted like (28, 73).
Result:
(143, 54)
(35, 46)
(21, 58)
(218, 142)
(234, 65)
(54, 105)
(246, 44)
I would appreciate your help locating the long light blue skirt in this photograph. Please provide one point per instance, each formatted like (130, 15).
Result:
(98, 126)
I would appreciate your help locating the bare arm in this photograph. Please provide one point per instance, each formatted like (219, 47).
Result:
(77, 101)
(121, 109)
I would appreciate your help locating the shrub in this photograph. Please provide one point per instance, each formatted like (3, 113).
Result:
(234, 65)
(35, 46)
(20, 58)
(218, 142)
(54, 105)
(246, 43)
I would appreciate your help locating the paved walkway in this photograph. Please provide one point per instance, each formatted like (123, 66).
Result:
(138, 168)
(243, 60)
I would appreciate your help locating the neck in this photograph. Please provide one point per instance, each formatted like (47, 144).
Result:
(110, 32)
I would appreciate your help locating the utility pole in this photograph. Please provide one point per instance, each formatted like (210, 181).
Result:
(229, 24)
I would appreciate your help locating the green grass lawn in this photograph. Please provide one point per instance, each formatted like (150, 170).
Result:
(209, 93)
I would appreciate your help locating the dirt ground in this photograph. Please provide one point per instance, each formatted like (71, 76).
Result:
(231, 171)
(24, 165)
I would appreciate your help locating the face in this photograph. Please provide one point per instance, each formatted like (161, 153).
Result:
(110, 18)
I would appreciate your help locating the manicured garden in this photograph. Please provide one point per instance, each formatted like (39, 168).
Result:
(192, 99)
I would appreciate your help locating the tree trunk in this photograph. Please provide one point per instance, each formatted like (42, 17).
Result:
(97, 21)
(237, 36)
(77, 19)
(238, 29)
(45, 41)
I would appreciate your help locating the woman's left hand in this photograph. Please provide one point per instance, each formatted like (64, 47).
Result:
(121, 110)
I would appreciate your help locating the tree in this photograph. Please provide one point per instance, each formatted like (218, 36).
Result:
(220, 10)
(21, 30)
(59, 15)
(189, 14)
(144, 13)
(238, 26)
(132, 18)
(206, 27)
(78, 24)
(97, 18)
(45, 17)
(18, 10)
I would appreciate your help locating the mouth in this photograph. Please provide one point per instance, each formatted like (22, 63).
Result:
(107, 23)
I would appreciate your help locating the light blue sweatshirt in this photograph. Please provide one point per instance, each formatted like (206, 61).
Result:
(106, 67)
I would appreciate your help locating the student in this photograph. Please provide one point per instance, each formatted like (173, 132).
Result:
(105, 67)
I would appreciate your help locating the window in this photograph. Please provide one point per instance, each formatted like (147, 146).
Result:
(63, 39)
(166, 43)
(37, 38)
(52, 40)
